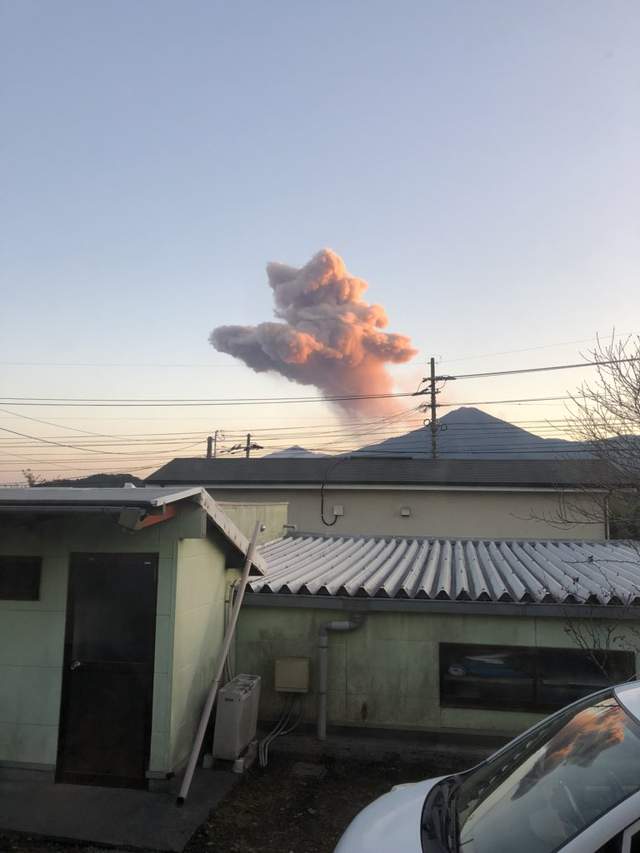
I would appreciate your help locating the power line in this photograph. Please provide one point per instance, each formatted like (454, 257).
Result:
(537, 425)
(101, 364)
(218, 365)
(49, 423)
(545, 369)
(540, 427)
(142, 402)
(528, 349)
(503, 402)
(48, 441)
(252, 401)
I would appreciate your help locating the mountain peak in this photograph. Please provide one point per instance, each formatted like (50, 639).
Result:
(293, 452)
(470, 433)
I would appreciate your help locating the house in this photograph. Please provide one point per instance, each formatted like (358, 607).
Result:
(112, 612)
(445, 636)
(455, 498)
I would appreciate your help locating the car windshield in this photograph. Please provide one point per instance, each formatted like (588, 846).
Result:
(547, 787)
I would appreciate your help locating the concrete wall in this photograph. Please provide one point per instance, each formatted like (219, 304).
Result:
(199, 629)
(32, 632)
(386, 673)
(455, 514)
(245, 515)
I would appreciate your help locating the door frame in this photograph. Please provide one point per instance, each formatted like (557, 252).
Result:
(74, 558)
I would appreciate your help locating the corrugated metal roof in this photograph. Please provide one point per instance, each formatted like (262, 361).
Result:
(384, 471)
(522, 571)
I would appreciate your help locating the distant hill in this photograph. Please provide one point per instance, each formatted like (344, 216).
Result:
(293, 452)
(95, 481)
(469, 433)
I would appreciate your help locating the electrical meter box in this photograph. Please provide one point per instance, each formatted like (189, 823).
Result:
(236, 716)
(292, 675)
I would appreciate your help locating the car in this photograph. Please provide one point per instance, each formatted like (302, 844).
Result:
(570, 783)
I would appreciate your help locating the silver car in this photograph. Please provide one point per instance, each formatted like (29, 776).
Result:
(571, 783)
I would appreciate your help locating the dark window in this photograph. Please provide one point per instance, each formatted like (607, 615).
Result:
(20, 578)
(525, 679)
(635, 843)
(614, 845)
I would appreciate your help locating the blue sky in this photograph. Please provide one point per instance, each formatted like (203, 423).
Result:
(476, 162)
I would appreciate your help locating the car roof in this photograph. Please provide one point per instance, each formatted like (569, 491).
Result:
(628, 695)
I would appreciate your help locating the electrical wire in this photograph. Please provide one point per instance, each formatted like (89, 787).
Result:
(236, 364)
(253, 401)
(49, 423)
(126, 449)
(528, 349)
(522, 370)
(290, 718)
(47, 441)
(273, 438)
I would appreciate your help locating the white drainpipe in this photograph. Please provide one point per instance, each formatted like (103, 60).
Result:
(323, 647)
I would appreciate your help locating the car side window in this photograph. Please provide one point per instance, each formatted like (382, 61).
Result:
(614, 845)
(635, 843)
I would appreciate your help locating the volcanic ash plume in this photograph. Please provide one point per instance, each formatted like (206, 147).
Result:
(329, 336)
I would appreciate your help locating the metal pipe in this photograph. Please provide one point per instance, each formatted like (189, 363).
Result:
(323, 666)
(208, 705)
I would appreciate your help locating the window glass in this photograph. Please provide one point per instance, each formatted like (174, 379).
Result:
(614, 845)
(548, 787)
(114, 607)
(20, 578)
(569, 674)
(635, 843)
(526, 679)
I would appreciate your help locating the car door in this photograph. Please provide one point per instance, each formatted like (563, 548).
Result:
(631, 839)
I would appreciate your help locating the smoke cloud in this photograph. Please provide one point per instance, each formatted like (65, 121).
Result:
(329, 336)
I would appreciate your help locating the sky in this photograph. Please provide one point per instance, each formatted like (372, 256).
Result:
(475, 162)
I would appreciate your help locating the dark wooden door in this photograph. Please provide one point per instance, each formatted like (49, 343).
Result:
(107, 686)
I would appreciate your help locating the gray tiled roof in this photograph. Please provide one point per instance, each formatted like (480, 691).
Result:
(384, 471)
(523, 571)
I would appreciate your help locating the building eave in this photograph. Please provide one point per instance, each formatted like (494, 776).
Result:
(424, 606)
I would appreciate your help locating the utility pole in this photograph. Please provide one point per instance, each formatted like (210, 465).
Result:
(434, 424)
(432, 390)
(212, 444)
(249, 446)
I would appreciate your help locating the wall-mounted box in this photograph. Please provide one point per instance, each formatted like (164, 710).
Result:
(338, 509)
(292, 675)
(405, 511)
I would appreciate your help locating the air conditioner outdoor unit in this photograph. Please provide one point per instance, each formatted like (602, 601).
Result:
(236, 717)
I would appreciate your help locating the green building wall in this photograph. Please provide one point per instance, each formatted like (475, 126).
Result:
(189, 630)
(198, 636)
(385, 674)
(32, 632)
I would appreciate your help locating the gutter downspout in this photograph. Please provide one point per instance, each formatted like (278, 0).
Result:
(323, 670)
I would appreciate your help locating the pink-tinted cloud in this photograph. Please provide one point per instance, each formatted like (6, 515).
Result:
(329, 336)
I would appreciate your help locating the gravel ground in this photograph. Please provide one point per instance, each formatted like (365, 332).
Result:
(277, 811)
